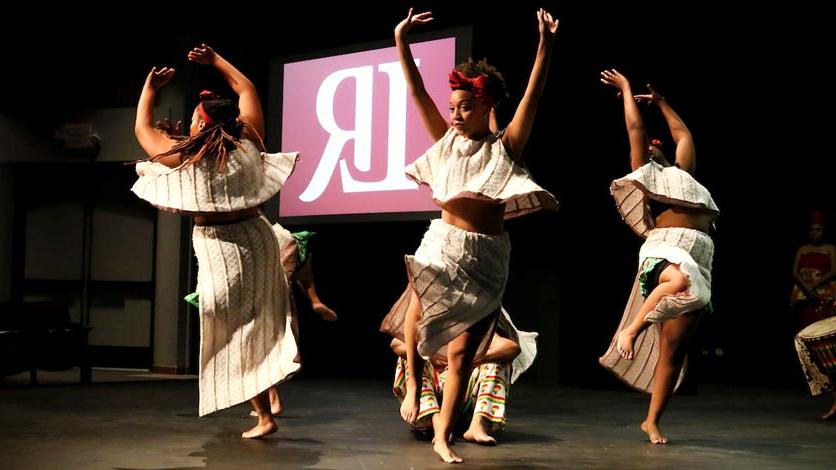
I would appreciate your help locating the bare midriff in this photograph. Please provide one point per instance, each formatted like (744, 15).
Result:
(475, 215)
(224, 218)
(677, 216)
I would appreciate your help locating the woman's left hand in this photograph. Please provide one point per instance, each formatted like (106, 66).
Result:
(158, 78)
(651, 97)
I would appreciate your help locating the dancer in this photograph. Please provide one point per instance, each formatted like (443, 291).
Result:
(457, 276)
(814, 298)
(297, 261)
(297, 264)
(814, 273)
(508, 356)
(663, 203)
(218, 176)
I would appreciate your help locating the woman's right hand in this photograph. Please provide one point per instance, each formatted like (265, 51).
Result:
(157, 78)
(547, 24)
(651, 97)
(411, 20)
(614, 78)
(202, 55)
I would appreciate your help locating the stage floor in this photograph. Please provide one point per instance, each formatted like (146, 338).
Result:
(152, 424)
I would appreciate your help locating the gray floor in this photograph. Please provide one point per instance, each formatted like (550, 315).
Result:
(132, 421)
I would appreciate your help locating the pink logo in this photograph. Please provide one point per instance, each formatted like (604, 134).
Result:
(355, 126)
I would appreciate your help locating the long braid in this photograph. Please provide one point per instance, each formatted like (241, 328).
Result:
(214, 141)
(221, 136)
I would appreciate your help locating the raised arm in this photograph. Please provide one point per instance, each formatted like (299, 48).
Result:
(501, 350)
(435, 124)
(686, 154)
(248, 102)
(519, 129)
(151, 140)
(636, 132)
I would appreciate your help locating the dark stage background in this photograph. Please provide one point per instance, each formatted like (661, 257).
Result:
(756, 87)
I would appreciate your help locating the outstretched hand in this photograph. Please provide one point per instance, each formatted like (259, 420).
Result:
(202, 55)
(411, 20)
(546, 23)
(157, 78)
(652, 97)
(614, 78)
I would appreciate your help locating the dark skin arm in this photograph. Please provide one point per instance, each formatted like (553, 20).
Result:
(686, 154)
(151, 140)
(519, 129)
(248, 101)
(636, 131)
(435, 124)
(501, 350)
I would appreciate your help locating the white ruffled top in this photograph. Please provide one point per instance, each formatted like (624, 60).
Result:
(669, 185)
(250, 178)
(457, 167)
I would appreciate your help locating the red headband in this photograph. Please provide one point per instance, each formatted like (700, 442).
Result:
(817, 218)
(478, 85)
(205, 95)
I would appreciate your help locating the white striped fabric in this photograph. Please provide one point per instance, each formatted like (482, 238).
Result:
(250, 178)
(459, 277)
(638, 372)
(246, 341)
(693, 251)
(457, 167)
(526, 340)
(670, 185)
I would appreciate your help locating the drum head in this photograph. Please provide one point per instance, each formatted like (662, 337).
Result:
(820, 328)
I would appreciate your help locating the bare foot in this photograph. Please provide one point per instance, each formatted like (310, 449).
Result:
(443, 450)
(624, 344)
(263, 428)
(653, 433)
(830, 414)
(326, 313)
(477, 433)
(479, 437)
(409, 405)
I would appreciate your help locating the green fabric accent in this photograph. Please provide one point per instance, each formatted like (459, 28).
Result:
(647, 267)
(302, 239)
(193, 298)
